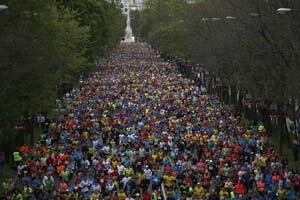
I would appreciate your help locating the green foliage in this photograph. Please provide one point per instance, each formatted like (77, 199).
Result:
(160, 24)
(245, 44)
(44, 44)
(260, 51)
(106, 23)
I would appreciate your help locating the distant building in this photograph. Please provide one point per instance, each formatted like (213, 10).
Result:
(130, 4)
(138, 4)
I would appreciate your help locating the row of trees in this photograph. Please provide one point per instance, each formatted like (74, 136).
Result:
(45, 44)
(250, 47)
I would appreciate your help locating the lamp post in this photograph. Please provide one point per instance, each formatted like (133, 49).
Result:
(3, 7)
(215, 18)
(254, 14)
(230, 17)
(286, 10)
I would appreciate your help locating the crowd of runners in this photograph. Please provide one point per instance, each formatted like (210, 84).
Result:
(137, 129)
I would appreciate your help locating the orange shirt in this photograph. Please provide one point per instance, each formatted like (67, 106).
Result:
(24, 149)
(69, 124)
(275, 178)
(60, 168)
(63, 157)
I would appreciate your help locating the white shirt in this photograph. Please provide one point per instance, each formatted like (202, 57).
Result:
(48, 141)
(148, 173)
(20, 168)
(106, 163)
(96, 188)
(95, 162)
(120, 169)
(110, 186)
(125, 180)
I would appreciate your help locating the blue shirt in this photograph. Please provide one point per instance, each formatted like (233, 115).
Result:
(155, 179)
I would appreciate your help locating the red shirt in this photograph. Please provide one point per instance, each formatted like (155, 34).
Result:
(296, 182)
(50, 160)
(188, 181)
(239, 188)
(165, 139)
(30, 167)
(146, 196)
(63, 187)
(102, 180)
(200, 165)
(24, 149)
(261, 185)
(237, 148)
(275, 178)
(114, 174)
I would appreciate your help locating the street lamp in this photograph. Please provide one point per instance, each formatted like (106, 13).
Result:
(285, 10)
(3, 7)
(254, 14)
(215, 19)
(230, 17)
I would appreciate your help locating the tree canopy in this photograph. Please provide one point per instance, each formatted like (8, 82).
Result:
(247, 46)
(246, 43)
(44, 44)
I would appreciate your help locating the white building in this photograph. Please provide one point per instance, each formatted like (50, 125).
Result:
(131, 4)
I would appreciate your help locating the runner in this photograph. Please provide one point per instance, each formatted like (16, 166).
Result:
(137, 124)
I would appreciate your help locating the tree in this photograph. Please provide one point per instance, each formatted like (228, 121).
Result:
(43, 45)
(161, 25)
(246, 44)
(105, 20)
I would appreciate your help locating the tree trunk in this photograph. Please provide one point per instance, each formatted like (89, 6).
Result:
(240, 102)
(229, 95)
(253, 115)
(31, 129)
(266, 120)
(281, 125)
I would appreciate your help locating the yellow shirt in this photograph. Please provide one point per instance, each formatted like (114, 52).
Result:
(168, 180)
(114, 163)
(199, 191)
(263, 160)
(121, 196)
(151, 138)
(228, 184)
(116, 184)
(280, 192)
(160, 154)
(140, 176)
(154, 156)
(223, 193)
(128, 171)
(86, 134)
(94, 196)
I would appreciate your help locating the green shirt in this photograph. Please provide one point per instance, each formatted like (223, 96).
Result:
(19, 197)
(17, 156)
(48, 184)
(4, 186)
(65, 174)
